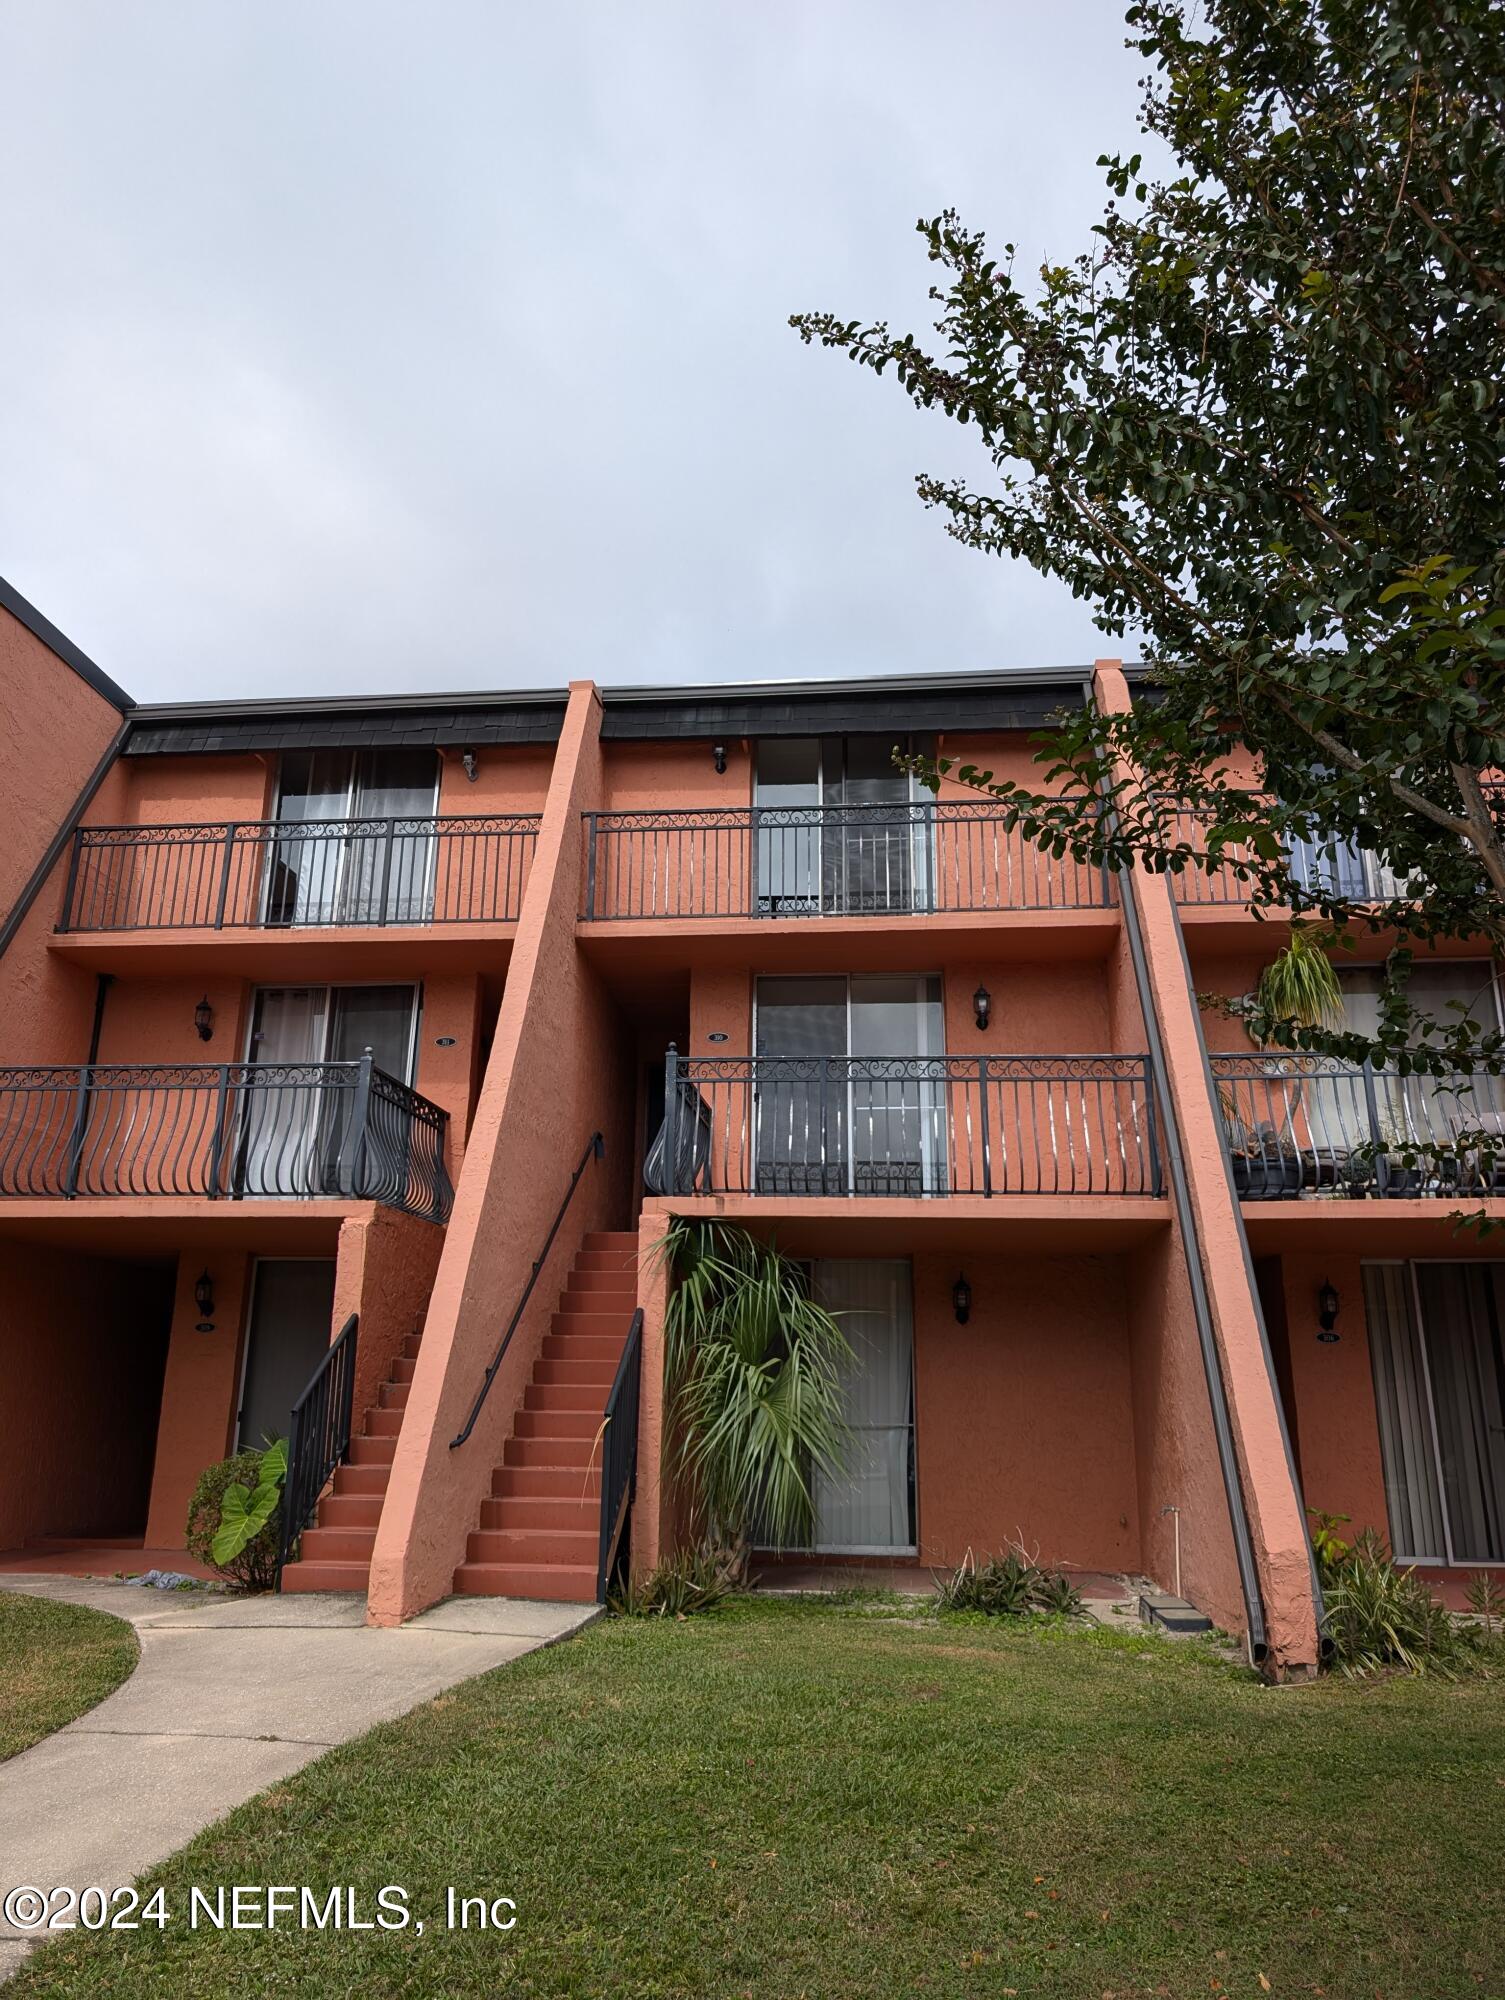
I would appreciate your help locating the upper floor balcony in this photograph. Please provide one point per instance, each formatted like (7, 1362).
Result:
(342, 1131)
(426, 869)
(927, 1126)
(1305, 1126)
(893, 860)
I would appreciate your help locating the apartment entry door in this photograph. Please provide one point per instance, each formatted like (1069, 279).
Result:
(815, 857)
(1437, 1346)
(293, 1127)
(287, 1335)
(868, 1508)
(824, 1126)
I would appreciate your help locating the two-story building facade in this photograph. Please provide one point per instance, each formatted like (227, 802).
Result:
(377, 1040)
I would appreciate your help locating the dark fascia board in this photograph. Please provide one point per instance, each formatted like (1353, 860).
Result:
(876, 705)
(58, 642)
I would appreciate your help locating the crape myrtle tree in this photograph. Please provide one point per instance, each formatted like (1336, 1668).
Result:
(1260, 425)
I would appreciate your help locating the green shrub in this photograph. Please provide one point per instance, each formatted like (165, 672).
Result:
(694, 1580)
(1379, 1615)
(254, 1564)
(1008, 1586)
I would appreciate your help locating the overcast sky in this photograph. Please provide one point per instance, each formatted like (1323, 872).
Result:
(355, 346)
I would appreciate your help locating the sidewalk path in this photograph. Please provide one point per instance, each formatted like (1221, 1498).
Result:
(230, 1695)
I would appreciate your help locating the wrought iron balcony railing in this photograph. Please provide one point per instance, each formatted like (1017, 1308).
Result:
(282, 874)
(341, 1130)
(1301, 1124)
(825, 861)
(910, 1125)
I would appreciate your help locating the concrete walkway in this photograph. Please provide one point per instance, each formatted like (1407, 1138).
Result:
(230, 1695)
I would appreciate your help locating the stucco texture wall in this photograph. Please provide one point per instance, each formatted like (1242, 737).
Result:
(82, 1343)
(1023, 1428)
(384, 1271)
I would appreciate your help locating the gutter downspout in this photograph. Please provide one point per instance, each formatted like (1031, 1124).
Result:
(54, 849)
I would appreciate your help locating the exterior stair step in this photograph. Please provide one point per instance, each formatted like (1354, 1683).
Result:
(367, 1451)
(350, 1510)
(548, 1482)
(512, 1510)
(558, 1583)
(303, 1576)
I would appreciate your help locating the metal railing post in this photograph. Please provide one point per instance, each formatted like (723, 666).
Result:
(754, 859)
(72, 883)
(671, 1117)
(985, 1127)
(227, 856)
(590, 864)
(1372, 1111)
(386, 874)
(217, 1143)
(80, 1126)
(1151, 1133)
(353, 1148)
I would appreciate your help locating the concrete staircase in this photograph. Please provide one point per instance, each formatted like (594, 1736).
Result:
(335, 1554)
(539, 1531)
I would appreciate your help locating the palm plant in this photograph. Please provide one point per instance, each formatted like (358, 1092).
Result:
(753, 1365)
(1299, 985)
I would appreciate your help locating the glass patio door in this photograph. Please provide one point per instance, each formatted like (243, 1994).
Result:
(294, 1129)
(359, 845)
(868, 1507)
(821, 1130)
(821, 860)
(1437, 1344)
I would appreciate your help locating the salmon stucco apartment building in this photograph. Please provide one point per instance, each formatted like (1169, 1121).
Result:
(356, 1051)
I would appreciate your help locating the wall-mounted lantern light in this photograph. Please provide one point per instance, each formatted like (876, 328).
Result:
(1327, 1305)
(982, 1007)
(203, 1019)
(718, 752)
(961, 1300)
(203, 1294)
(469, 763)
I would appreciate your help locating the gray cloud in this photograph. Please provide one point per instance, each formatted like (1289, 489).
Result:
(370, 346)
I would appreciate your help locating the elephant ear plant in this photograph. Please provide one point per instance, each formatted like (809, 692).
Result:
(753, 1364)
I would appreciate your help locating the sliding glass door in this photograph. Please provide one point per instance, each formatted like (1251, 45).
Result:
(1437, 1343)
(868, 1506)
(295, 1131)
(820, 1127)
(814, 857)
(358, 844)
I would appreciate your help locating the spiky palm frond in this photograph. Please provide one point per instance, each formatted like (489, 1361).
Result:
(1300, 985)
(754, 1378)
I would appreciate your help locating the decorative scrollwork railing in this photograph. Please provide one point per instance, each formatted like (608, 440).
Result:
(285, 874)
(1295, 1124)
(341, 1130)
(826, 861)
(924, 1126)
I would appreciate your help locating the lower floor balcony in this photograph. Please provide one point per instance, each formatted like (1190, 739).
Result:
(1303, 1126)
(325, 1130)
(923, 1126)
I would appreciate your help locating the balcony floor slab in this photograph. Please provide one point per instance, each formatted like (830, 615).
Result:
(861, 944)
(150, 1227)
(877, 1226)
(375, 951)
(1374, 1228)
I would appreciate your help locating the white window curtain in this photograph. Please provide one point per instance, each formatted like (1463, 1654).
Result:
(868, 1508)
(1437, 1342)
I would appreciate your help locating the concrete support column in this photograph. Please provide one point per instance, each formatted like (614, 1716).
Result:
(1271, 1500)
(200, 1391)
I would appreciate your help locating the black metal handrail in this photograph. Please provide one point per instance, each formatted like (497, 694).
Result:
(225, 1131)
(619, 1453)
(906, 1125)
(318, 1437)
(426, 868)
(1294, 1124)
(594, 1150)
(905, 859)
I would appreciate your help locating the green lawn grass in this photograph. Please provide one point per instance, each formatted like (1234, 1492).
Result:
(56, 1660)
(787, 1799)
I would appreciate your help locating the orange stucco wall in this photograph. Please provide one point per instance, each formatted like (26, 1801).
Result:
(200, 1392)
(557, 1072)
(384, 1271)
(1023, 1429)
(81, 1348)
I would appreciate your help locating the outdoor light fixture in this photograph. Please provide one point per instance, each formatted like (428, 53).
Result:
(203, 1019)
(982, 1006)
(719, 754)
(203, 1294)
(1327, 1305)
(961, 1301)
(469, 763)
